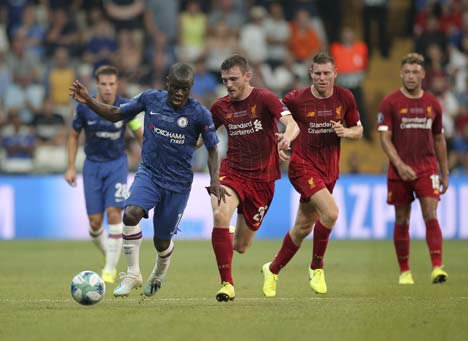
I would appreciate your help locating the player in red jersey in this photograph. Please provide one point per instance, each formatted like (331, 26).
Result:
(411, 134)
(326, 113)
(251, 166)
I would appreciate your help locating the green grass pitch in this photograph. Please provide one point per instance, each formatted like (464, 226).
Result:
(364, 301)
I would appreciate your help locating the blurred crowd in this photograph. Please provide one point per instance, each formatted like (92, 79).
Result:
(46, 44)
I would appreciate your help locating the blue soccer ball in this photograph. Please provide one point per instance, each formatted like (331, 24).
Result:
(88, 288)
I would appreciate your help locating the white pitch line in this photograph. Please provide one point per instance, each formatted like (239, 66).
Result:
(201, 299)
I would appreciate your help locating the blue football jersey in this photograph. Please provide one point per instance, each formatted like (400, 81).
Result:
(170, 136)
(105, 140)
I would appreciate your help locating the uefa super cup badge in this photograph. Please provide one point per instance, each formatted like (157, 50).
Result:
(182, 122)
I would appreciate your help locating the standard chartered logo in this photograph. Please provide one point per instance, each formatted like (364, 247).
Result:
(258, 125)
(245, 128)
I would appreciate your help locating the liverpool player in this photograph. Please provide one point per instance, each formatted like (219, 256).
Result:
(410, 126)
(325, 113)
(251, 166)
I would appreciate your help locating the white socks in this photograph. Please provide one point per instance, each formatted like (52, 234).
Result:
(163, 260)
(99, 238)
(131, 244)
(114, 247)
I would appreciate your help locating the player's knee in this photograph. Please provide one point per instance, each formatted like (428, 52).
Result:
(132, 215)
(95, 223)
(219, 217)
(302, 231)
(161, 244)
(114, 216)
(429, 214)
(330, 217)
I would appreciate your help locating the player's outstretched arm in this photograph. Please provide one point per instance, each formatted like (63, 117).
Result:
(72, 148)
(213, 166)
(406, 172)
(440, 147)
(79, 93)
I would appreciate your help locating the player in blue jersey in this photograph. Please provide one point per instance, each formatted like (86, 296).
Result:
(105, 169)
(172, 125)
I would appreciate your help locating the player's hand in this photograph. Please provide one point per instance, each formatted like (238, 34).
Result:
(78, 92)
(340, 130)
(219, 192)
(444, 184)
(406, 173)
(283, 155)
(283, 141)
(70, 176)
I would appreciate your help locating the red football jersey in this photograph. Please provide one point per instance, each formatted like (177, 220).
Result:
(251, 126)
(318, 146)
(413, 122)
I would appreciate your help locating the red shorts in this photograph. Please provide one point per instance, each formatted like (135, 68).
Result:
(255, 198)
(402, 192)
(307, 182)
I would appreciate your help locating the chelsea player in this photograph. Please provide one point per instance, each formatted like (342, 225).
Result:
(105, 169)
(172, 125)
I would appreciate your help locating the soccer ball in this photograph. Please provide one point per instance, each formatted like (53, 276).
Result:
(87, 288)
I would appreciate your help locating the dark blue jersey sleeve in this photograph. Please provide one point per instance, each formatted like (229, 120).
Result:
(208, 129)
(134, 106)
(78, 120)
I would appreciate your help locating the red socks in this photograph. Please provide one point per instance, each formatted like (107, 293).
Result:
(434, 241)
(221, 239)
(321, 236)
(287, 251)
(401, 240)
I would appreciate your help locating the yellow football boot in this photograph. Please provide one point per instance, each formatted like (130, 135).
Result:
(406, 278)
(269, 281)
(438, 275)
(109, 276)
(226, 293)
(317, 281)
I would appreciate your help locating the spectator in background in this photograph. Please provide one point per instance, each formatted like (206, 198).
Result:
(304, 42)
(158, 70)
(192, 34)
(226, 11)
(376, 11)
(331, 14)
(430, 35)
(34, 32)
(204, 84)
(58, 78)
(62, 32)
(162, 25)
(125, 14)
(440, 88)
(49, 125)
(49, 129)
(5, 76)
(253, 40)
(221, 43)
(278, 33)
(19, 144)
(351, 57)
(19, 59)
(129, 57)
(101, 45)
(23, 96)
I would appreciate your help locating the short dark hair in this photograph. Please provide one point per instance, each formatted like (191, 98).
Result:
(236, 60)
(106, 70)
(323, 58)
(181, 71)
(413, 58)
